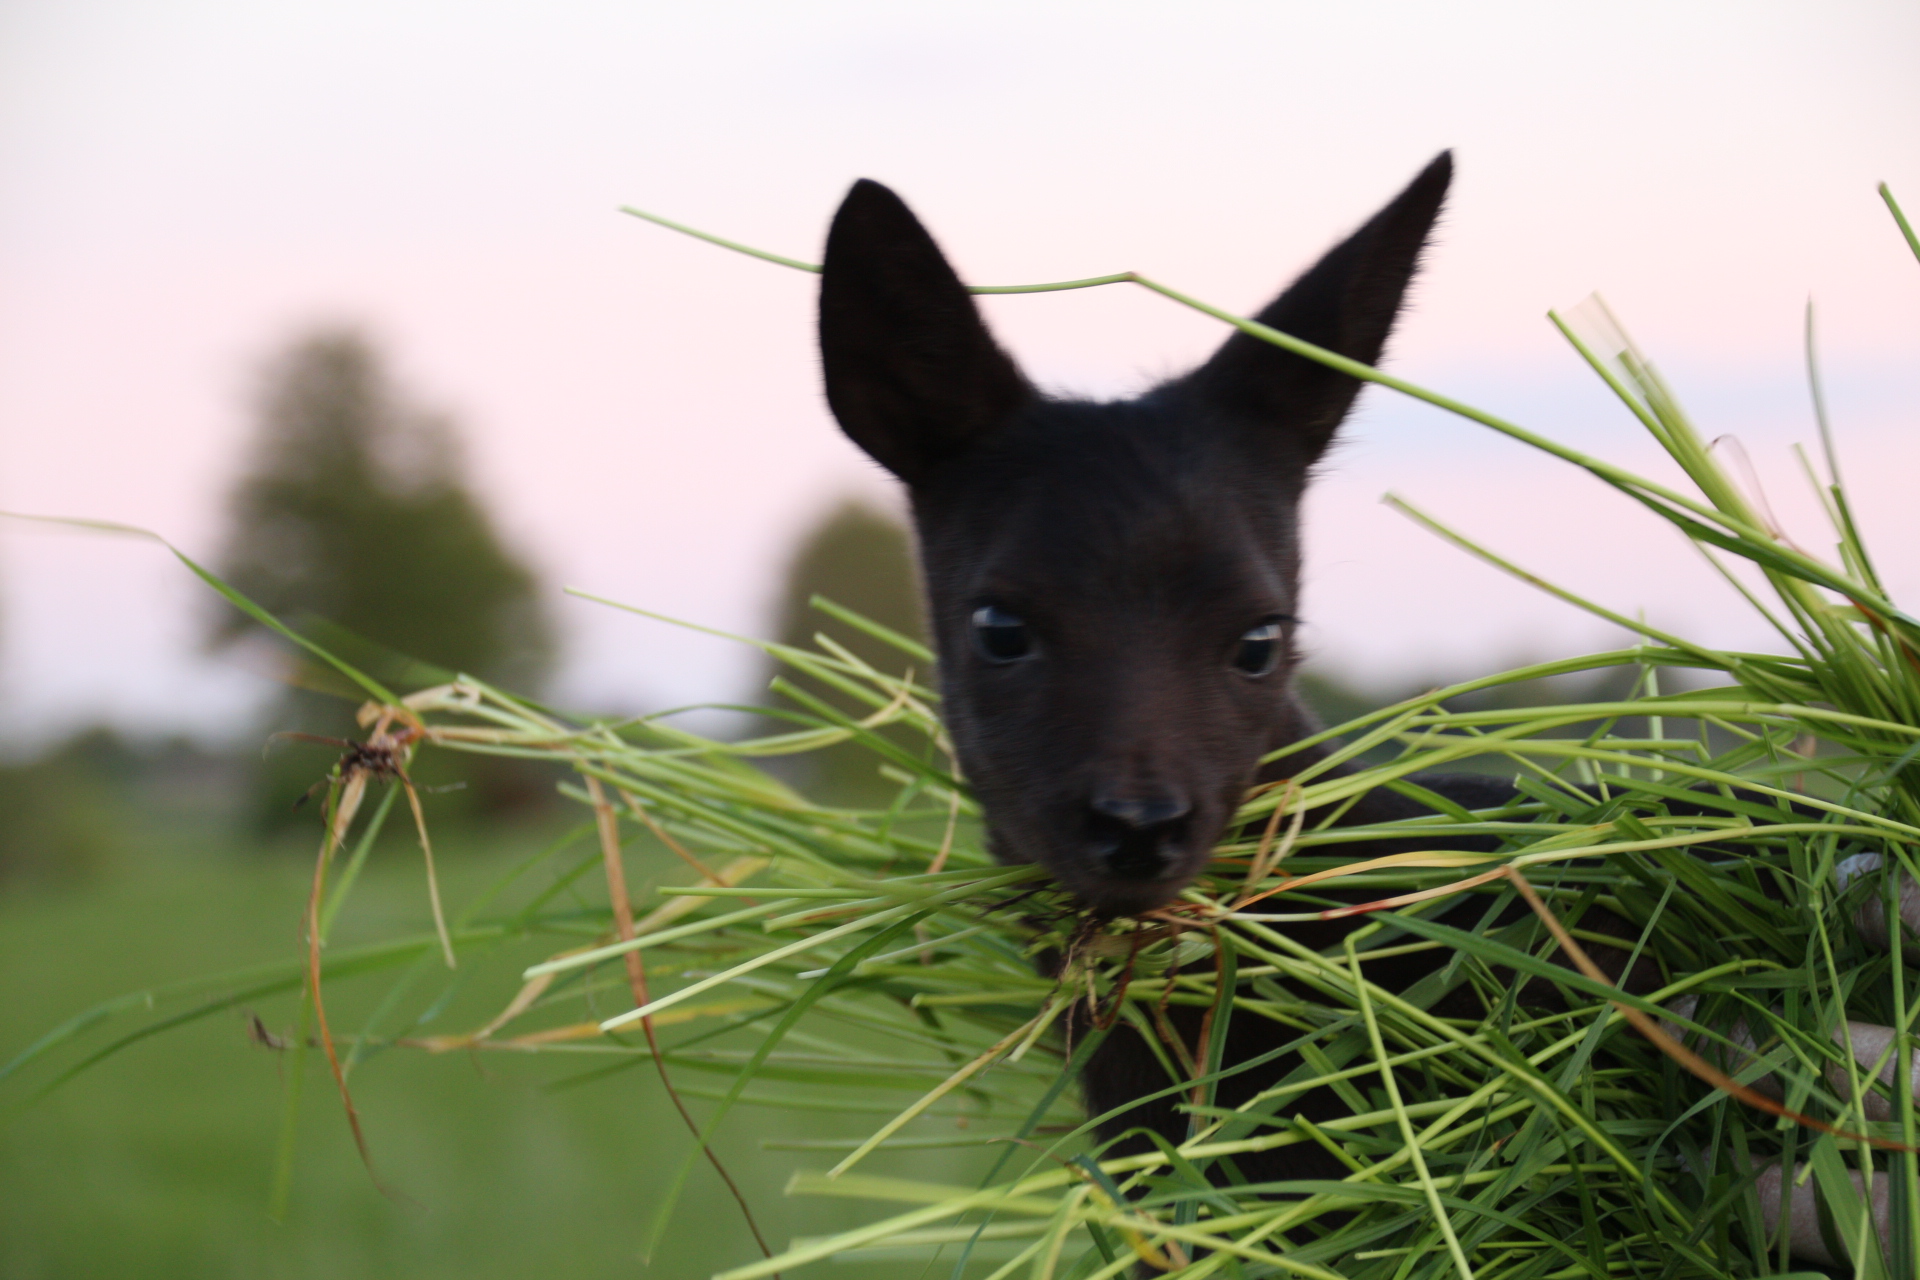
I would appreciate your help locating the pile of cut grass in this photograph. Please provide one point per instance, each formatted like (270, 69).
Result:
(878, 961)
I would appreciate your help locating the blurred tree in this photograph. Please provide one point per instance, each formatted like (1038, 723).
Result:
(353, 509)
(863, 560)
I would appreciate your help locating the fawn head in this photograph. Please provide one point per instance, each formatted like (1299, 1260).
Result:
(1112, 588)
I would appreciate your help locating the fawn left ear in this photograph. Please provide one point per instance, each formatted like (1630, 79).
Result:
(1346, 303)
(912, 374)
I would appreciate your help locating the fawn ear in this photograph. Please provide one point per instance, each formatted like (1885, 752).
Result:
(912, 373)
(1346, 303)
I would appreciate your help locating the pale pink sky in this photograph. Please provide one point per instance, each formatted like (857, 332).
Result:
(184, 185)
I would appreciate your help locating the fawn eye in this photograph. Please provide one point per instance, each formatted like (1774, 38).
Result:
(999, 636)
(1259, 649)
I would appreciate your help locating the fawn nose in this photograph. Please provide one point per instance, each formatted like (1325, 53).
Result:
(1137, 838)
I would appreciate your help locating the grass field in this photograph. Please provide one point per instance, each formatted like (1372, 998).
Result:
(160, 1161)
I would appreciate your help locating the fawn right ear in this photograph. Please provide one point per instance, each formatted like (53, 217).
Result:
(912, 374)
(1346, 304)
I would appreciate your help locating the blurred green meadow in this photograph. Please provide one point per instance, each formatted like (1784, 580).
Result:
(160, 1161)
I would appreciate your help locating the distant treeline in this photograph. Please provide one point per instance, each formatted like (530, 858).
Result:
(352, 518)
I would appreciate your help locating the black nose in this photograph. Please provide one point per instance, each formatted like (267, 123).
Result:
(1137, 838)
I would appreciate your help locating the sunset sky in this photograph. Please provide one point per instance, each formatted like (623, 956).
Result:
(187, 185)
